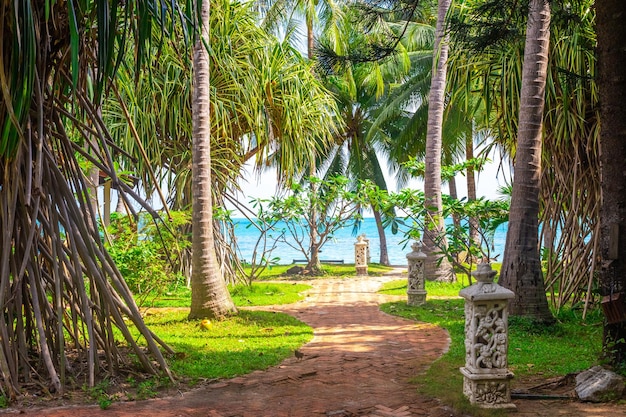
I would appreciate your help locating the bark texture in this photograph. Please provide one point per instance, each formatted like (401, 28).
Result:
(611, 33)
(382, 239)
(437, 267)
(521, 267)
(209, 294)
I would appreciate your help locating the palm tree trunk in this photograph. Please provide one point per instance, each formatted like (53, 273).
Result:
(209, 294)
(474, 237)
(382, 239)
(454, 194)
(310, 42)
(521, 266)
(611, 33)
(437, 267)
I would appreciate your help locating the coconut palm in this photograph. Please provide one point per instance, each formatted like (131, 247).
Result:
(611, 38)
(209, 296)
(360, 91)
(521, 266)
(569, 196)
(436, 267)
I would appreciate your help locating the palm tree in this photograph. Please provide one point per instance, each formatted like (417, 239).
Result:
(521, 266)
(361, 91)
(569, 196)
(267, 104)
(436, 267)
(209, 296)
(611, 39)
(282, 11)
(381, 112)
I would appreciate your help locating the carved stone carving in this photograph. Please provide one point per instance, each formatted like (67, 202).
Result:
(486, 379)
(486, 342)
(361, 248)
(415, 289)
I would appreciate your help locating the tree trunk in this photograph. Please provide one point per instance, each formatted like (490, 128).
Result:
(611, 33)
(209, 294)
(310, 40)
(382, 239)
(474, 236)
(120, 206)
(454, 194)
(521, 267)
(437, 267)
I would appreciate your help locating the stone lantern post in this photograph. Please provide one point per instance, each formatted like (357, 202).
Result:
(360, 255)
(486, 381)
(368, 258)
(416, 291)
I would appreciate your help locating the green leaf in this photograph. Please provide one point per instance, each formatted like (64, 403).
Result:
(74, 42)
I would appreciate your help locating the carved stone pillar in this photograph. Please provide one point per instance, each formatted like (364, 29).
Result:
(416, 291)
(360, 255)
(486, 381)
(368, 258)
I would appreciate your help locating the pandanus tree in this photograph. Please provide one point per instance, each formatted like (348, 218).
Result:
(569, 185)
(59, 290)
(266, 106)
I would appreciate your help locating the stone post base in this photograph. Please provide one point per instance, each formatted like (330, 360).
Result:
(361, 270)
(488, 390)
(416, 298)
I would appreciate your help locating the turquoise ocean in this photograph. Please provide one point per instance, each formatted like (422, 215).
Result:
(341, 246)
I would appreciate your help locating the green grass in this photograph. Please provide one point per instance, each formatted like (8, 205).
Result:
(277, 272)
(570, 345)
(434, 289)
(234, 346)
(237, 345)
(264, 294)
(257, 294)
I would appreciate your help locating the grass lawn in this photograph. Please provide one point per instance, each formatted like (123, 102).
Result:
(278, 272)
(209, 349)
(237, 345)
(570, 345)
(257, 294)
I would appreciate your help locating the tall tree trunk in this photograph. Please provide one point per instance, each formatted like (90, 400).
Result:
(310, 40)
(611, 33)
(314, 264)
(454, 194)
(474, 236)
(437, 267)
(382, 239)
(209, 294)
(120, 207)
(521, 267)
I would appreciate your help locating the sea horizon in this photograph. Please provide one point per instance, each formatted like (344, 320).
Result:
(341, 246)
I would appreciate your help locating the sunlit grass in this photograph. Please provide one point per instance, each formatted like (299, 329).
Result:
(434, 289)
(237, 345)
(277, 272)
(257, 294)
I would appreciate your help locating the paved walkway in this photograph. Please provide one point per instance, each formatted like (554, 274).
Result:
(359, 363)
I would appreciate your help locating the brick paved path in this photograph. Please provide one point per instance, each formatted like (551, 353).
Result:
(359, 363)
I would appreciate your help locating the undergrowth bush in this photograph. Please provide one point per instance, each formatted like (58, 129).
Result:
(143, 252)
